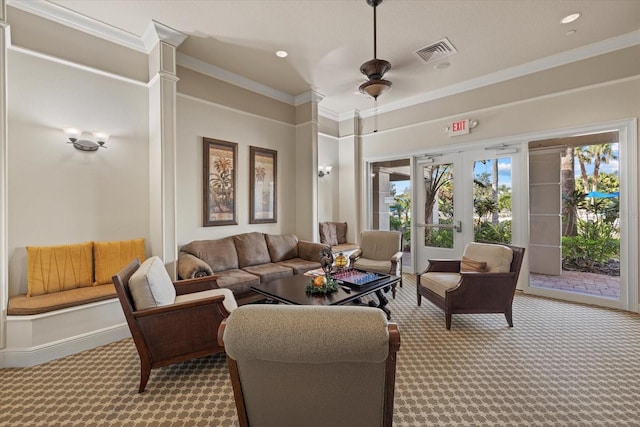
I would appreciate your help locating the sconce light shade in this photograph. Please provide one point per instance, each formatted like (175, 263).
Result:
(86, 144)
(324, 170)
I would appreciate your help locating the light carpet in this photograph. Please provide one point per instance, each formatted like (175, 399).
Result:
(562, 364)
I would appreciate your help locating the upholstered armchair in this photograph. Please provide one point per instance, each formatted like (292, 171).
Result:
(379, 251)
(170, 322)
(484, 281)
(311, 366)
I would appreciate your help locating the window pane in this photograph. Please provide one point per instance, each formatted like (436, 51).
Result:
(492, 200)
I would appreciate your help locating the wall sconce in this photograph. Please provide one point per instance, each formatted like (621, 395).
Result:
(85, 144)
(324, 170)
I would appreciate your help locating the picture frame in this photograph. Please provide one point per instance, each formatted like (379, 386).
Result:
(263, 179)
(219, 182)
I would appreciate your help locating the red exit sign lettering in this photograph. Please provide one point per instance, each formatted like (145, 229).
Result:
(461, 127)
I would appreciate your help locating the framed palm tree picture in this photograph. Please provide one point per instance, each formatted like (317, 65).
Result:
(219, 184)
(263, 166)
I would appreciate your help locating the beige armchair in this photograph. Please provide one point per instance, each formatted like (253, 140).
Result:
(483, 281)
(379, 251)
(311, 366)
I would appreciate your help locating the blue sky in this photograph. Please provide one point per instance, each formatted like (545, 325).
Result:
(504, 170)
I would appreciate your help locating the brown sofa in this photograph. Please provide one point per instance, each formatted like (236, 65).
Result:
(244, 260)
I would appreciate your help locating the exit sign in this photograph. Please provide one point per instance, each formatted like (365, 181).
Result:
(461, 127)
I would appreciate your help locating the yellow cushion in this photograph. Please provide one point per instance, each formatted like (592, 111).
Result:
(111, 257)
(58, 268)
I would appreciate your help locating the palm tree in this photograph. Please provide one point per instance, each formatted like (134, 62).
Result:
(436, 177)
(569, 210)
(601, 153)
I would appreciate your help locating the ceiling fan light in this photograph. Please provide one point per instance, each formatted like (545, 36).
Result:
(375, 88)
(375, 68)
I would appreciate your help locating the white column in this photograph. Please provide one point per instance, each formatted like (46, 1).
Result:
(162, 42)
(350, 165)
(306, 150)
(4, 283)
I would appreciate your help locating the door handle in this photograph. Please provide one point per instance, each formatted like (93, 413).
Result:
(455, 226)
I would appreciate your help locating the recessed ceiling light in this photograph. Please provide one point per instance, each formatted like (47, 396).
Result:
(570, 18)
(442, 65)
(282, 53)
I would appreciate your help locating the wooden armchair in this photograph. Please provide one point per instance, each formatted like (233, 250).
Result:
(311, 366)
(379, 251)
(186, 328)
(484, 281)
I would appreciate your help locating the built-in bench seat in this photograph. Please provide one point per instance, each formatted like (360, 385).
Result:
(65, 276)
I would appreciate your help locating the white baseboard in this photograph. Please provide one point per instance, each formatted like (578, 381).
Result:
(40, 338)
(25, 357)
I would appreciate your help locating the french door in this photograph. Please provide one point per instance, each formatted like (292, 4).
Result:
(463, 197)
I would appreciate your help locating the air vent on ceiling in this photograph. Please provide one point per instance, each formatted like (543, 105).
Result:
(435, 51)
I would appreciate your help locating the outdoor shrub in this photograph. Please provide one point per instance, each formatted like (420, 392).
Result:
(488, 232)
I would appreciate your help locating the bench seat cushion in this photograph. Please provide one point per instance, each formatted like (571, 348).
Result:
(24, 306)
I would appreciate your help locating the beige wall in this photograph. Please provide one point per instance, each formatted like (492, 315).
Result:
(197, 119)
(58, 194)
(329, 185)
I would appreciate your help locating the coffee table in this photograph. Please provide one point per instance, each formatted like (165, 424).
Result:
(292, 290)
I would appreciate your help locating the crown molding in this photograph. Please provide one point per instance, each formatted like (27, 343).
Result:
(157, 31)
(80, 22)
(563, 58)
(233, 78)
(311, 96)
(91, 26)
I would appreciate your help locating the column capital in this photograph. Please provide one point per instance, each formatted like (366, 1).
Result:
(157, 32)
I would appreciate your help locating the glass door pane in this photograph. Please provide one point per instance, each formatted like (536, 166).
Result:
(492, 200)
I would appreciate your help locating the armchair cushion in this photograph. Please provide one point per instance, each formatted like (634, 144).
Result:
(373, 265)
(439, 283)
(229, 300)
(469, 265)
(151, 286)
(497, 257)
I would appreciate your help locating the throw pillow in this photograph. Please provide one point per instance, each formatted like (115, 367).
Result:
(111, 257)
(329, 231)
(468, 265)
(151, 286)
(59, 268)
(341, 232)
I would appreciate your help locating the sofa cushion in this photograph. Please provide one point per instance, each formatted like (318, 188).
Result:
(468, 265)
(269, 271)
(497, 257)
(282, 246)
(439, 283)
(59, 268)
(151, 286)
(220, 254)
(238, 281)
(299, 265)
(252, 249)
(25, 306)
(328, 233)
(110, 257)
(229, 302)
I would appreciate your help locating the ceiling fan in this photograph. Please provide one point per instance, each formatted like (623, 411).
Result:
(375, 68)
